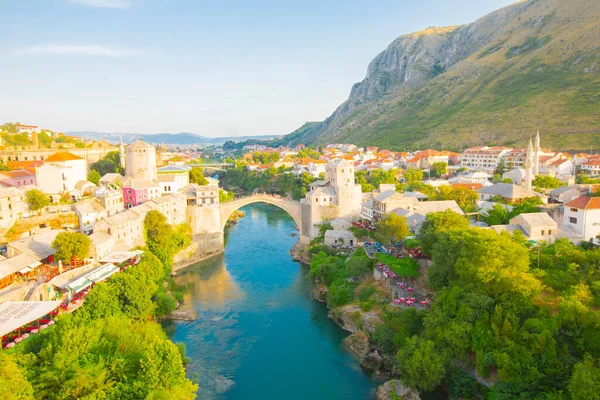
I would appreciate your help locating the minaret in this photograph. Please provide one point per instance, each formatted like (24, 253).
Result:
(122, 153)
(536, 155)
(529, 166)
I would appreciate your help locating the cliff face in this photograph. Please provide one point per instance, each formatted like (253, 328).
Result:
(415, 91)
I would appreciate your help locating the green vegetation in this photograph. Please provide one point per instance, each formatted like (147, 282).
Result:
(69, 246)
(111, 163)
(439, 169)
(371, 181)
(110, 348)
(547, 182)
(334, 271)
(413, 175)
(162, 239)
(390, 229)
(225, 196)
(94, 177)
(501, 215)
(404, 267)
(265, 157)
(530, 44)
(37, 199)
(465, 198)
(438, 223)
(274, 181)
(197, 177)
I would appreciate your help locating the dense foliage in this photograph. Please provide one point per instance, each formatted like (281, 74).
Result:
(108, 349)
(390, 229)
(36, 199)
(111, 163)
(501, 214)
(71, 245)
(197, 177)
(162, 239)
(275, 181)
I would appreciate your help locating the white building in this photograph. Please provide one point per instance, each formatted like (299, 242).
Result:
(537, 226)
(583, 215)
(88, 213)
(483, 157)
(29, 129)
(172, 178)
(60, 173)
(12, 206)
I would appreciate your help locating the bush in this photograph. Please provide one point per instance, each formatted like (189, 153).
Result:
(341, 294)
(366, 292)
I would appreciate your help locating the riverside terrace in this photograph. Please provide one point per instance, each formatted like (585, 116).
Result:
(21, 319)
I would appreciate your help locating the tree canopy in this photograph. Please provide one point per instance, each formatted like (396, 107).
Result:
(69, 245)
(197, 177)
(391, 228)
(437, 223)
(37, 199)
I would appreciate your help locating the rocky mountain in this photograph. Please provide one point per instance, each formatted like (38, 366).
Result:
(532, 65)
(182, 138)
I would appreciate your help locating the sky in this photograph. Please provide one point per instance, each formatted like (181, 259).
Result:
(215, 68)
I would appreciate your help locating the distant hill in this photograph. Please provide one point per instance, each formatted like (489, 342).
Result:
(182, 138)
(532, 65)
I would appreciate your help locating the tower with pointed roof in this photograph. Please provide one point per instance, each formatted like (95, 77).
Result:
(529, 166)
(536, 155)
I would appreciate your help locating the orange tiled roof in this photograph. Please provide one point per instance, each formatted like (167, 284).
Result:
(62, 156)
(585, 203)
(471, 186)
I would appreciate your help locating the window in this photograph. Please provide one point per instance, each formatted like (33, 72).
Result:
(573, 220)
(549, 231)
(573, 210)
(543, 232)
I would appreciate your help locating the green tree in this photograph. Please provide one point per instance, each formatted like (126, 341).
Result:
(547, 182)
(94, 177)
(70, 245)
(413, 175)
(225, 196)
(197, 177)
(159, 237)
(420, 364)
(437, 223)
(439, 169)
(585, 381)
(37, 199)
(391, 228)
(500, 168)
(111, 163)
(498, 215)
(465, 198)
(13, 380)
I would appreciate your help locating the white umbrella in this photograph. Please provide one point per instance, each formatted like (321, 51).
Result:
(60, 267)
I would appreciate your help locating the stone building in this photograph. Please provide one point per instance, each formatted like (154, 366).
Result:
(336, 196)
(140, 161)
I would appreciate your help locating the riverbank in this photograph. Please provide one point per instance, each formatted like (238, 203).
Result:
(362, 322)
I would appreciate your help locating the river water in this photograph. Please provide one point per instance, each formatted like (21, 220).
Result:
(259, 334)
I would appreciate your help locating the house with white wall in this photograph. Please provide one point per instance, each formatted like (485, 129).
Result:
(583, 214)
(60, 173)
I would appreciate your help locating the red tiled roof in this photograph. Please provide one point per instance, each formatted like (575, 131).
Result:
(585, 203)
(20, 173)
(62, 156)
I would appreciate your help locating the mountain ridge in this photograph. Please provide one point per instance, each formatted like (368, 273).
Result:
(179, 138)
(531, 65)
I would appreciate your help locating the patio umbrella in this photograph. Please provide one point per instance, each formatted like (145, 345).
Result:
(60, 267)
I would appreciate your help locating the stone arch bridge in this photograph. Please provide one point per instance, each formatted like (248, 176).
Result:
(292, 207)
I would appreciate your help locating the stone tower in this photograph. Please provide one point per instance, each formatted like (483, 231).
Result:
(536, 155)
(529, 166)
(140, 161)
(122, 153)
(349, 194)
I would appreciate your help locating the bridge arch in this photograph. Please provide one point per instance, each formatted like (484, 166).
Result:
(292, 207)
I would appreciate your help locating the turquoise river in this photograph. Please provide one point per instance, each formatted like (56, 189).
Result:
(259, 334)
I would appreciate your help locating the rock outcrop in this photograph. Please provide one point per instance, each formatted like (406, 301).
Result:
(353, 319)
(396, 390)
(358, 342)
(429, 87)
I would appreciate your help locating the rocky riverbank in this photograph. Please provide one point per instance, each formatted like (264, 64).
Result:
(362, 325)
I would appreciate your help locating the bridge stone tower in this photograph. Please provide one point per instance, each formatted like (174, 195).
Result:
(140, 161)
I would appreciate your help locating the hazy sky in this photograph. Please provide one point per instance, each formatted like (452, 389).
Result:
(217, 68)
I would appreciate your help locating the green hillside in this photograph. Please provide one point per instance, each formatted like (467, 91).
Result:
(539, 69)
